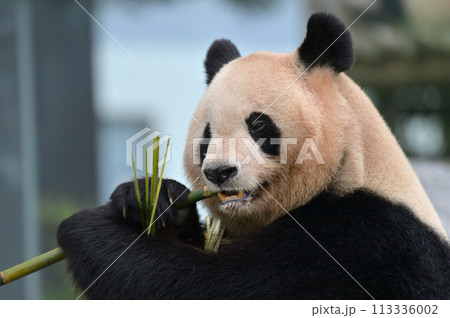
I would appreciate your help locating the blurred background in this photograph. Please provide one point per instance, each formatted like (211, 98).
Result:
(70, 96)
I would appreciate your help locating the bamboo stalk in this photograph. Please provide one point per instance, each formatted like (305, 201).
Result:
(31, 266)
(57, 254)
(194, 196)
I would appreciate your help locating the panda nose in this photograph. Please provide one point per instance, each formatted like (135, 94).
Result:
(221, 174)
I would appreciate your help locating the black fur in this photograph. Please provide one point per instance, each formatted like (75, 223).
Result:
(322, 30)
(384, 247)
(205, 143)
(219, 53)
(268, 130)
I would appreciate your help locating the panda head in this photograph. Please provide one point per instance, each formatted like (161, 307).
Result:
(262, 137)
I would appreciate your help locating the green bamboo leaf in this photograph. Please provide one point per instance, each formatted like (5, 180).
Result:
(158, 189)
(154, 185)
(136, 188)
(147, 199)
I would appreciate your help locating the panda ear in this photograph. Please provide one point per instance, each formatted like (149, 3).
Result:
(327, 43)
(219, 53)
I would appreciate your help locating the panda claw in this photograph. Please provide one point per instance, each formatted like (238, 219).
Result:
(170, 196)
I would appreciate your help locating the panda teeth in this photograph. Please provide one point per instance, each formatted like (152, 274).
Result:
(226, 196)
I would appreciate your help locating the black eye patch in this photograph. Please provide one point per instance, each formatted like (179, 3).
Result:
(205, 143)
(262, 126)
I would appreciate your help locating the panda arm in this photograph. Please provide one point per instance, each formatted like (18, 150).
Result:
(381, 244)
(98, 242)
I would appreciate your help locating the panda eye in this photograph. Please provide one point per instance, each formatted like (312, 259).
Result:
(258, 126)
(261, 126)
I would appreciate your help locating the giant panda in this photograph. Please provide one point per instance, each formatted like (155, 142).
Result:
(354, 223)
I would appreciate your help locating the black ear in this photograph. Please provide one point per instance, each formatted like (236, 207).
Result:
(318, 48)
(219, 53)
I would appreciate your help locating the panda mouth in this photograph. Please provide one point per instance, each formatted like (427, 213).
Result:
(233, 196)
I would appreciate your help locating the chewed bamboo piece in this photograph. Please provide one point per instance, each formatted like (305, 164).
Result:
(214, 234)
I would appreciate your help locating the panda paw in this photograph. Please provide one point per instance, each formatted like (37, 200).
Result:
(169, 221)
